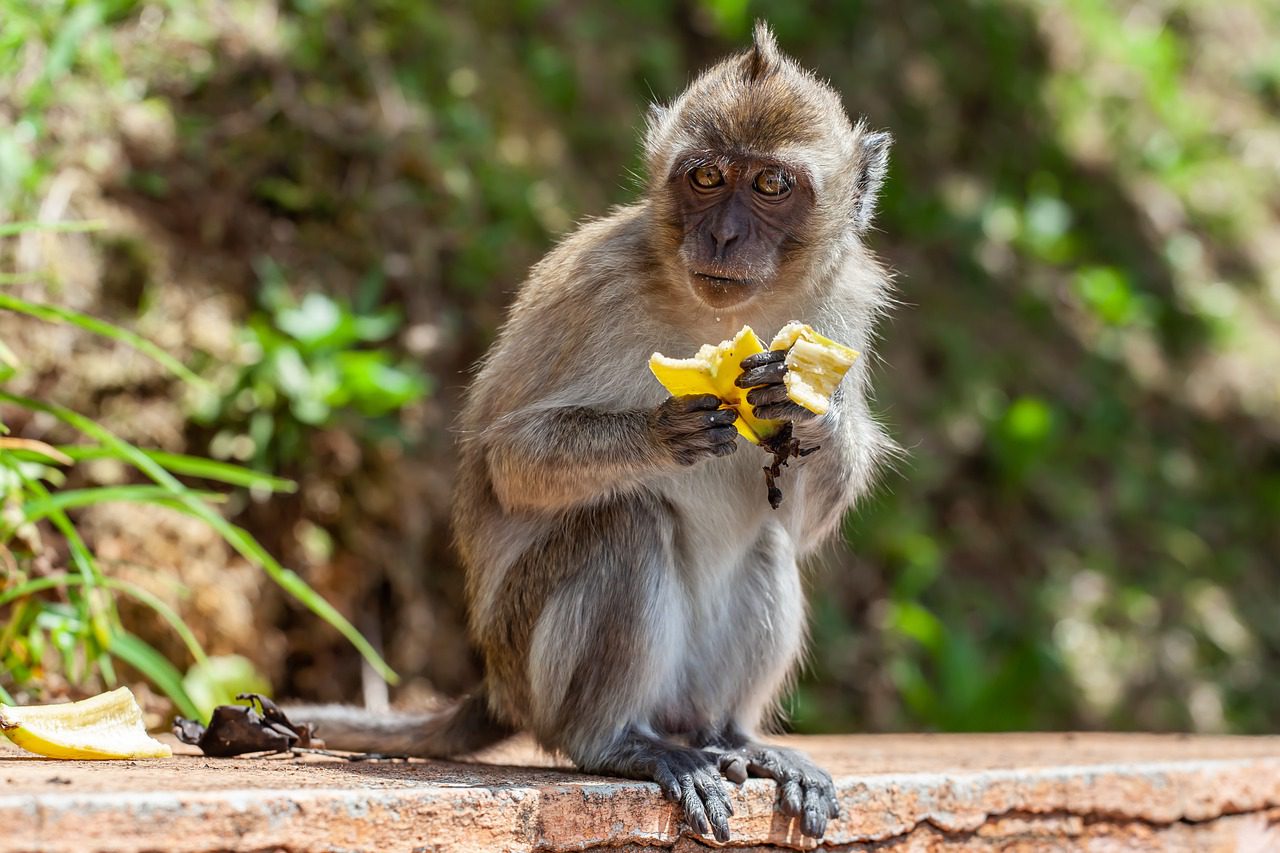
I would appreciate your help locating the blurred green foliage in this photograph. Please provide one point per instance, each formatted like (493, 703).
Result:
(1080, 211)
(306, 362)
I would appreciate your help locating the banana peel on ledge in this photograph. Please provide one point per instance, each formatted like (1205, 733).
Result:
(815, 366)
(106, 726)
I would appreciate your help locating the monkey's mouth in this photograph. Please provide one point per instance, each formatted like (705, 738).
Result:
(721, 280)
(721, 291)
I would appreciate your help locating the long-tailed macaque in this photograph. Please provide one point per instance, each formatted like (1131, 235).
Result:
(636, 600)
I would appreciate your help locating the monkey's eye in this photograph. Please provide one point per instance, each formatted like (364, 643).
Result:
(772, 182)
(706, 177)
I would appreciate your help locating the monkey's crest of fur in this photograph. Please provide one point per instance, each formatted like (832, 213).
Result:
(762, 100)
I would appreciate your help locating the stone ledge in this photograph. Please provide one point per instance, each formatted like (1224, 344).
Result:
(912, 792)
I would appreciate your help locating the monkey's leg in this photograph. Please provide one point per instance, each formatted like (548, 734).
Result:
(605, 655)
(763, 638)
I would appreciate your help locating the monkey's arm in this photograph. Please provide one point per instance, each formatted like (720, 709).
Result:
(851, 446)
(562, 457)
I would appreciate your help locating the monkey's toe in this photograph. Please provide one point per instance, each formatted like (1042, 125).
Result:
(733, 766)
(805, 791)
(691, 780)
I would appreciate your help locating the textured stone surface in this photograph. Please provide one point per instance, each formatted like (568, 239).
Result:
(918, 792)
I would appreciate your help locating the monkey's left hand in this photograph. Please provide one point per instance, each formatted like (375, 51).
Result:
(763, 373)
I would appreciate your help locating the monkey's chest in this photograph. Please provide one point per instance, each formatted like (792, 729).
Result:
(723, 511)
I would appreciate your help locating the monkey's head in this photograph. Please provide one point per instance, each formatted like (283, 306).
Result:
(758, 178)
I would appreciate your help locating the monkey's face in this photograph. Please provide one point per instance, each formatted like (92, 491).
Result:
(738, 219)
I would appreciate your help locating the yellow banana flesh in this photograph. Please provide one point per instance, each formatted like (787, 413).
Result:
(105, 726)
(815, 366)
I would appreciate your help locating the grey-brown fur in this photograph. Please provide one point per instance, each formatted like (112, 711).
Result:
(637, 602)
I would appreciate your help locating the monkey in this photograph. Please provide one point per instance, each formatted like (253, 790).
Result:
(637, 606)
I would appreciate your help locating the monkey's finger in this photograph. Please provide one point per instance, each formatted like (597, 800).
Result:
(716, 803)
(694, 812)
(695, 421)
(721, 435)
(769, 374)
(760, 359)
(724, 449)
(813, 824)
(791, 797)
(767, 395)
(721, 417)
(833, 802)
(733, 767)
(697, 402)
(814, 820)
(667, 782)
(784, 411)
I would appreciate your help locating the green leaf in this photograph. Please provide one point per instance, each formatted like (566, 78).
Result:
(218, 680)
(317, 318)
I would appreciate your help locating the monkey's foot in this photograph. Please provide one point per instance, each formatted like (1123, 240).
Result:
(688, 778)
(805, 790)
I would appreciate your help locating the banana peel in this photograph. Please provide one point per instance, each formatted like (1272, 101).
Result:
(105, 726)
(815, 366)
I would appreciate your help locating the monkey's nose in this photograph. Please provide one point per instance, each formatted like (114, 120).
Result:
(724, 236)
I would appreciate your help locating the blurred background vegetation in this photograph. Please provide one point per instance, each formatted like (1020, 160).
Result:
(322, 207)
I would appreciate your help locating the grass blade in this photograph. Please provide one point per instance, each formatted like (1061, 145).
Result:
(58, 314)
(238, 538)
(12, 229)
(39, 448)
(189, 466)
(76, 498)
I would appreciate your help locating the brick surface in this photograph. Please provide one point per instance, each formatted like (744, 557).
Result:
(918, 792)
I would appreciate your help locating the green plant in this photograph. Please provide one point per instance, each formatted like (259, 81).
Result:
(70, 616)
(308, 364)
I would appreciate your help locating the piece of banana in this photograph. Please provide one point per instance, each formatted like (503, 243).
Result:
(815, 366)
(105, 726)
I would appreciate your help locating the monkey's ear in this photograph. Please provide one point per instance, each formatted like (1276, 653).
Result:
(762, 59)
(872, 165)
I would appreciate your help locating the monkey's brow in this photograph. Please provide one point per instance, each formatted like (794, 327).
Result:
(697, 159)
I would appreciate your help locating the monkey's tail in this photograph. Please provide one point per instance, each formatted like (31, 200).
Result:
(465, 727)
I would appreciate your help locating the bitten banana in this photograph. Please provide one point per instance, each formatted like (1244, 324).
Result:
(105, 726)
(815, 366)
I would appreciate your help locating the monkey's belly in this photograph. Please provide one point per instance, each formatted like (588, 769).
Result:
(745, 611)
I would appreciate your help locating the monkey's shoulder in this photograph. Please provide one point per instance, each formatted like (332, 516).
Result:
(595, 260)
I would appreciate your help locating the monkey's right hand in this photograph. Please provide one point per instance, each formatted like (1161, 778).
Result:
(694, 427)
